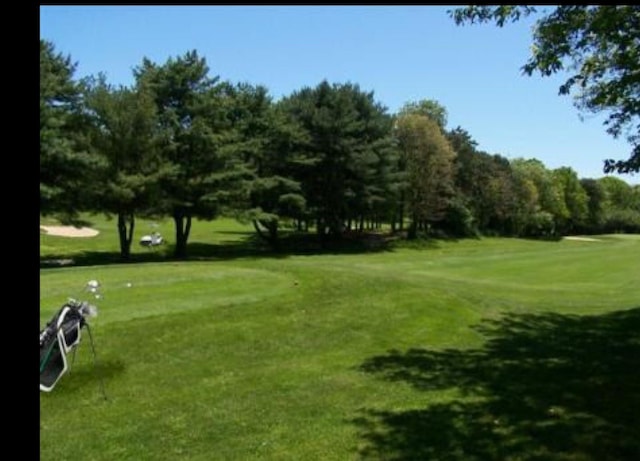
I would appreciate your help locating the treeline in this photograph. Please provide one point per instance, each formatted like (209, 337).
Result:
(180, 143)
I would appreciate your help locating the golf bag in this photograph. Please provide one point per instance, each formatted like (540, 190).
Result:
(59, 337)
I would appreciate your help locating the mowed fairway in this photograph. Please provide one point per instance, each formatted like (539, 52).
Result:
(490, 349)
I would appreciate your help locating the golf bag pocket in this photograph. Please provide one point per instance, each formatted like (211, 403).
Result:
(53, 362)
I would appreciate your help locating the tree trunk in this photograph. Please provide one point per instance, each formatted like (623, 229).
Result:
(401, 212)
(335, 227)
(125, 235)
(259, 231)
(183, 227)
(412, 232)
(320, 228)
(272, 237)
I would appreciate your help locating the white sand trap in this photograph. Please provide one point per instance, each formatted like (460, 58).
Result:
(582, 239)
(70, 231)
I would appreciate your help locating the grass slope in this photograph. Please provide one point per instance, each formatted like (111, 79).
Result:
(484, 349)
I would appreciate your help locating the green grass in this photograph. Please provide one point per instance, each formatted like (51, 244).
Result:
(490, 349)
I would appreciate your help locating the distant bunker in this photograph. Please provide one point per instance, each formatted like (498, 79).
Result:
(69, 231)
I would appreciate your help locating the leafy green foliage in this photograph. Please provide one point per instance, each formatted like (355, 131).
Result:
(428, 159)
(622, 205)
(599, 46)
(596, 197)
(484, 183)
(550, 192)
(575, 199)
(427, 107)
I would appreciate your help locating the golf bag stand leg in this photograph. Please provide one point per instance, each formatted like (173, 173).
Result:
(95, 361)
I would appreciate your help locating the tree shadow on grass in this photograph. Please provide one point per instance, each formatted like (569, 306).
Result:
(98, 258)
(248, 247)
(543, 387)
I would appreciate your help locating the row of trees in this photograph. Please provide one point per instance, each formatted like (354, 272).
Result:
(179, 143)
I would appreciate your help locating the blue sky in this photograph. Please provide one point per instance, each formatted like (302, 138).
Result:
(401, 53)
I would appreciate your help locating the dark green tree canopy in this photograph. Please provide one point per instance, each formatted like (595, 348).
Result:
(194, 127)
(599, 47)
(66, 165)
(348, 139)
(57, 87)
(180, 143)
(124, 134)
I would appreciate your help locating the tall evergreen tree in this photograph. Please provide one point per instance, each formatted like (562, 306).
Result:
(196, 131)
(348, 136)
(125, 134)
(266, 140)
(66, 163)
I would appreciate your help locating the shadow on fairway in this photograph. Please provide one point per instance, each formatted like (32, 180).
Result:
(248, 247)
(543, 387)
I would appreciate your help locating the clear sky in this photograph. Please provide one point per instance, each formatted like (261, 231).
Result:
(401, 53)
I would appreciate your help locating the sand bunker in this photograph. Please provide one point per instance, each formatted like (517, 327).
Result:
(582, 239)
(70, 231)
